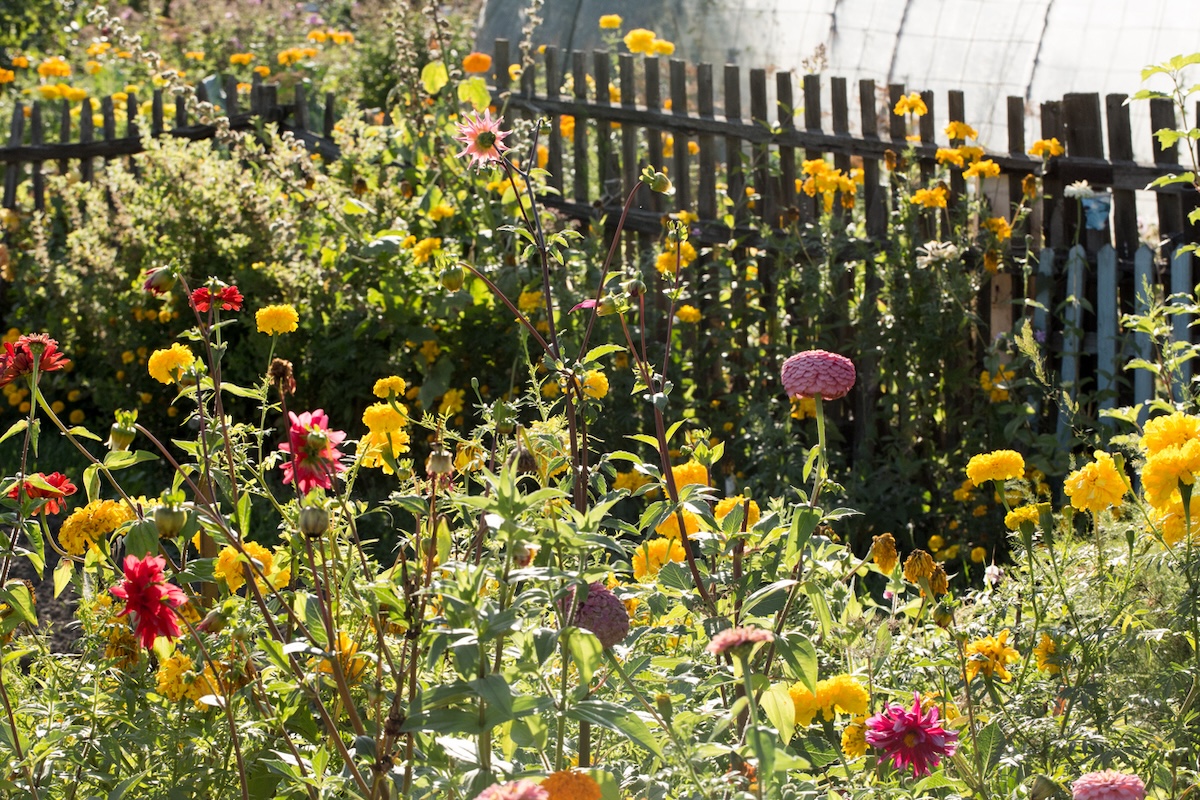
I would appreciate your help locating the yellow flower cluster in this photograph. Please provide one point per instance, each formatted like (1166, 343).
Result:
(241, 59)
(168, 366)
(391, 386)
(998, 465)
(54, 67)
(691, 472)
(1014, 518)
(630, 481)
(386, 424)
(610, 22)
(1096, 486)
(422, 250)
(452, 402)
(1045, 148)
(961, 130)
(231, 566)
(178, 678)
(996, 385)
(337, 37)
(911, 104)
(667, 261)
(595, 384)
(825, 180)
(669, 527)
(930, 198)
(1172, 445)
(999, 227)
(989, 655)
(1046, 655)
(840, 693)
(86, 526)
(984, 168)
(725, 507)
(294, 55)
(568, 784)
(641, 40)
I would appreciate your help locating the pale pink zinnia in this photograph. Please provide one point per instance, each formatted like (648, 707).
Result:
(737, 639)
(483, 138)
(514, 790)
(1108, 785)
(313, 449)
(910, 737)
(818, 372)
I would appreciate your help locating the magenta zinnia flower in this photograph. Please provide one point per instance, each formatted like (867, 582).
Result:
(483, 138)
(1108, 785)
(818, 372)
(910, 737)
(150, 598)
(313, 447)
(602, 613)
(515, 790)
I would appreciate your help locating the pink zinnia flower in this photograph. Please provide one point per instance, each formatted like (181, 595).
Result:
(818, 372)
(53, 497)
(516, 790)
(1108, 785)
(228, 298)
(313, 447)
(483, 138)
(737, 639)
(602, 613)
(150, 598)
(910, 737)
(18, 359)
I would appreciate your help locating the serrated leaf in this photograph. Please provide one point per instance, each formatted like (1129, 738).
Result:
(434, 76)
(990, 743)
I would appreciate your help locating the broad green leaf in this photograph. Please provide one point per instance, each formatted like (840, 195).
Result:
(91, 482)
(353, 208)
(474, 91)
(434, 77)
(141, 539)
(83, 433)
(990, 743)
(16, 594)
(496, 692)
(597, 353)
(62, 575)
(243, 514)
(120, 459)
(619, 719)
(799, 653)
(777, 704)
(586, 650)
(15, 428)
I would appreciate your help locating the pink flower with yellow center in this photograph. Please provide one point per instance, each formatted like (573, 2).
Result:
(483, 139)
(910, 737)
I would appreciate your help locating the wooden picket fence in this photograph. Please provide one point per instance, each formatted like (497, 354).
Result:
(1091, 275)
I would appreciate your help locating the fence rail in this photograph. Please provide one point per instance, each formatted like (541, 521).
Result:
(629, 117)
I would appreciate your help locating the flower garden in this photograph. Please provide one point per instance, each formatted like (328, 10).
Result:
(383, 476)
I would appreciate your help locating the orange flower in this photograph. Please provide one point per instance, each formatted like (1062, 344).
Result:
(477, 62)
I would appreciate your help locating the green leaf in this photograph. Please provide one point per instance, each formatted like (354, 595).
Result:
(241, 391)
(120, 459)
(354, 208)
(142, 538)
(16, 594)
(801, 656)
(597, 353)
(38, 556)
(15, 428)
(474, 91)
(937, 780)
(585, 649)
(62, 575)
(83, 433)
(305, 607)
(434, 77)
(990, 743)
(124, 786)
(777, 704)
(617, 718)
(496, 692)
(243, 514)
(91, 482)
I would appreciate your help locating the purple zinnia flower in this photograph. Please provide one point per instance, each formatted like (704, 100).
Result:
(602, 613)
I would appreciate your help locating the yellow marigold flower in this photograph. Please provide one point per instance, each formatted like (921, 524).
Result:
(688, 314)
(1046, 655)
(86, 526)
(571, 785)
(854, 738)
(167, 366)
(76, 417)
(530, 300)
(122, 647)
(384, 418)
(883, 551)
(595, 384)
(911, 104)
(998, 465)
(640, 40)
(661, 47)
(1045, 148)
(476, 62)
(1014, 518)
(262, 70)
(54, 67)
(1000, 227)
(979, 554)
(342, 37)
(804, 408)
(7, 76)
(691, 472)
(452, 402)
(930, 198)
(949, 155)
(241, 59)
(1172, 523)
(966, 492)
(726, 507)
(170, 677)
(352, 665)
(374, 445)
(651, 555)
(989, 655)
(566, 126)
(805, 703)
(985, 168)
(317, 35)
(1096, 486)
(630, 481)
(230, 565)
(936, 542)
(551, 389)
(20, 61)
(669, 527)
(430, 349)
(274, 320)
(961, 130)
(441, 211)
(1166, 431)
(918, 565)
(610, 22)
(514, 72)
(392, 386)
(1167, 469)
(842, 693)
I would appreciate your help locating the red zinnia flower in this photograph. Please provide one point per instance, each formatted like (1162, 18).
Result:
(313, 447)
(62, 488)
(150, 598)
(229, 299)
(910, 737)
(817, 372)
(483, 138)
(19, 358)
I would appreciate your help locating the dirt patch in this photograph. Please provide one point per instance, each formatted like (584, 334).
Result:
(56, 615)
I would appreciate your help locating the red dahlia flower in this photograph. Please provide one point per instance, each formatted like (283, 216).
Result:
(150, 598)
(817, 372)
(313, 447)
(910, 737)
(18, 359)
(61, 487)
(228, 298)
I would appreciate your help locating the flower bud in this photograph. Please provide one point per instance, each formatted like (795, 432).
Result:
(524, 553)
(943, 615)
(160, 280)
(439, 462)
(314, 521)
(634, 288)
(120, 437)
(505, 418)
(607, 306)
(660, 183)
(317, 441)
(169, 520)
(452, 278)
(662, 701)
